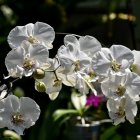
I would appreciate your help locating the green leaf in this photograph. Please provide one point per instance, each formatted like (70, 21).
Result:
(62, 112)
(110, 134)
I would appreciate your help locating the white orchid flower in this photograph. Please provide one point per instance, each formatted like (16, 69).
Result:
(76, 54)
(121, 109)
(38, 33)
(51, 83)
(116, 60)
(87, 44)
(135, 67)
(90, 75)
(117, 86)
(24, 60)
(83, 84)
(67, 79)
(81, 80)
(72, 59)
(18, 113)
(54, 77)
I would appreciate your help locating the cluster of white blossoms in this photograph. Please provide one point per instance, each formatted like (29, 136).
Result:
(79, 63)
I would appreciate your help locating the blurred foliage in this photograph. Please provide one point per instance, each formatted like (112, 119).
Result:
(110, 134)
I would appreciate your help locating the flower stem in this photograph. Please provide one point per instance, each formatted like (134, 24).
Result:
(67, 34)
(83, 121)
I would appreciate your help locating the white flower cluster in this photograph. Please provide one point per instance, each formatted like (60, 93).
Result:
(18, 114)
(79, 63)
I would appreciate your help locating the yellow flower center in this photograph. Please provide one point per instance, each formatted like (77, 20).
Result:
(32, 40)
(120, 90)
(17, 118)
(77, 65)
(28, 64)
(115, 66)
(92, 74)
(120, 113)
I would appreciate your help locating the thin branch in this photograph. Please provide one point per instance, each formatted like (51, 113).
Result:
(59, 33)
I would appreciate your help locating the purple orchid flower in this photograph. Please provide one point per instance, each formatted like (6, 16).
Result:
(94, 100)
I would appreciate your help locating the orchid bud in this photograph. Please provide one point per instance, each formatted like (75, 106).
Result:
(12, 135)
(39, 74)
(40, 86)
(18, 92)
